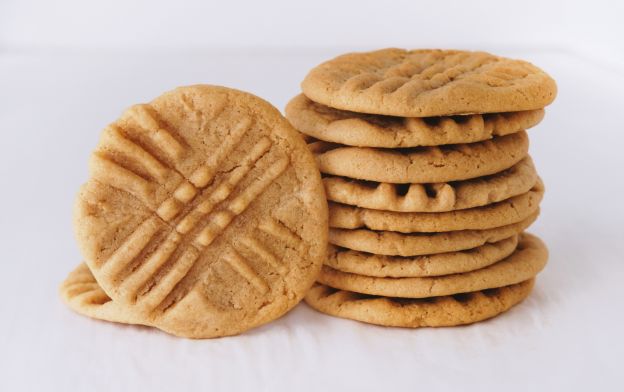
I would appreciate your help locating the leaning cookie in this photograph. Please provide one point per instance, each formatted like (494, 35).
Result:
(204, 214)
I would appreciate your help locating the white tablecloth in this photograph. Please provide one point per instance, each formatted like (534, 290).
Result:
(568, 334)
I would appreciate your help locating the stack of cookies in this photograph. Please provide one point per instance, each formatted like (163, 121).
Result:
(424, 158)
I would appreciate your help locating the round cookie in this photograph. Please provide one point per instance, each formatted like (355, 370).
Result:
(415, 244)
(369, 264)
(437, 197)
(204, 212)
(524, 263)
(498, 214)
(366, 130)
(82, 293)
(447, 311)
(452, 162)
(430, 82)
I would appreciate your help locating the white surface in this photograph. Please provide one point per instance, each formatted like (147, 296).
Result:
(568, 333)
(57, 93)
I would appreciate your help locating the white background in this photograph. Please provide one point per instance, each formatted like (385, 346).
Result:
(67, 68)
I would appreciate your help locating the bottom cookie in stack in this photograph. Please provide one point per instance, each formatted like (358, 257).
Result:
(405, 291)
(445, 311)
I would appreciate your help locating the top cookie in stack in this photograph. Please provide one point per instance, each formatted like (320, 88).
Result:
(425, 162)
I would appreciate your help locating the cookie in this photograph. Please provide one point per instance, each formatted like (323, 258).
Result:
(447, 311)
(415, 244)
(503, 213)
(425, 83)
(204, 212)
(436, 197)
(369, 264)
(81, 292)
(452, 162)
(366, 130)
(524, 263)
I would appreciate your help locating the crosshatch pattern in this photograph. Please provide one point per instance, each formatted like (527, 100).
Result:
(213, 192)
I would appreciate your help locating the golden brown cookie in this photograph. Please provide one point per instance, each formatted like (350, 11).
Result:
(437, 197)
(452, 162)
(415, 244)
(369, 130)
(493, 215)
(524, 263)
(81, 292)
(458, 309)
(204, 212)
(430, 82)
(369, 264)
